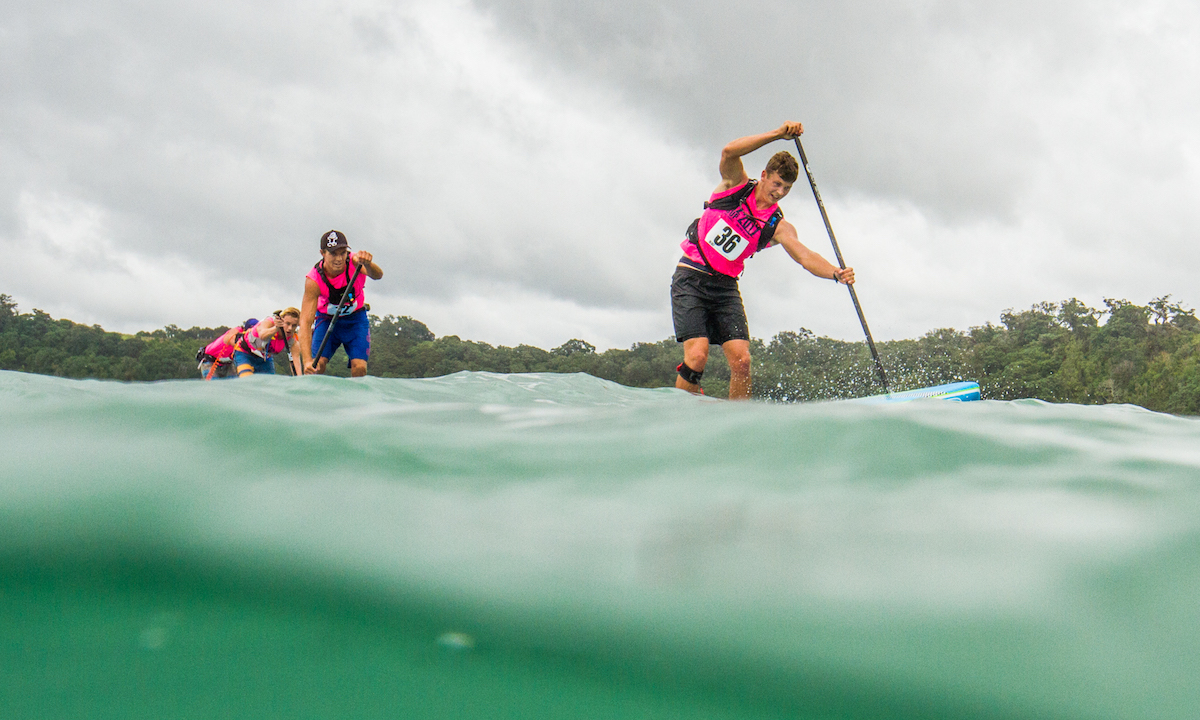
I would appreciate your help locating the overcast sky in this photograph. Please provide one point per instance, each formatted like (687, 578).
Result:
(523, 170)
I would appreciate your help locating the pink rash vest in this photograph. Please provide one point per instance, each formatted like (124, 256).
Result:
(337, 284)
(254, 342)
(725, 238)
(224, 346)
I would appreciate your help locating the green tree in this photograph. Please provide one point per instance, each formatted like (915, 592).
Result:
(1061, 352)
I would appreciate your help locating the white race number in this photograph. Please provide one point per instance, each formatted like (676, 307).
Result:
(725, 240)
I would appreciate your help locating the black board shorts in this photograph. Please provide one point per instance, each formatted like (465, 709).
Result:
(708, 306)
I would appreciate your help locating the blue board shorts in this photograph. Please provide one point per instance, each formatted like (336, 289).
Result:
(250, 364)
(352, 332)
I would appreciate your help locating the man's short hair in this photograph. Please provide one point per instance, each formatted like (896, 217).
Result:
(784, 165)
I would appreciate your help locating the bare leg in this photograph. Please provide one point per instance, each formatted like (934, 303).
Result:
(695, 356)
(737, 352)
(358, 368)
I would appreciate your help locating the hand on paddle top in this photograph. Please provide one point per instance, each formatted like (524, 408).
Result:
(362, 258)
(844, 275)
(790, 130)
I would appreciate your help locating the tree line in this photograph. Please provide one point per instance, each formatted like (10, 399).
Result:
(1060, 352)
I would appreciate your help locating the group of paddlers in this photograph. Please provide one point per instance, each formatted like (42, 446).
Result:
(741, 217)
(332, 314)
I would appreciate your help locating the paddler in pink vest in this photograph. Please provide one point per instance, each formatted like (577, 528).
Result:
(741, 217)
(216, 358)
(324, 287)
(255, 349)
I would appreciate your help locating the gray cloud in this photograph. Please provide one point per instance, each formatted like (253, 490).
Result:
(547, 155)
(1064, 125)
(900, 95)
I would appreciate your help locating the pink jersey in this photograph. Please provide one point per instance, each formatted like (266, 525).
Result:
(337, 284)
(224, 346)
(254, 341)
(726, 238)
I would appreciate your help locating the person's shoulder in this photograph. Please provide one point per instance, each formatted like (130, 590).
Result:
(729, 187)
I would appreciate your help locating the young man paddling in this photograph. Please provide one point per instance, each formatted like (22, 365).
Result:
(741, 218)
(324, 287)
(255, 349)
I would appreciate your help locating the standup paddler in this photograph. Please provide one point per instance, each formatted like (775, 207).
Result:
(741, 218)
(255, 348)
(323, 290)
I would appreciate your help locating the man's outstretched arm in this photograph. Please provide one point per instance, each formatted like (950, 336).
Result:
(810, 260)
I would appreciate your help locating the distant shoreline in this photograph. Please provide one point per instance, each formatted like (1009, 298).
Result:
(1055, 351)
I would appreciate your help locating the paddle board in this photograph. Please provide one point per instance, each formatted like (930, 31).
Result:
(962, 391)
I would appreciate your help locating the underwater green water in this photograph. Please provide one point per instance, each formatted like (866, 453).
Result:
(557, 546)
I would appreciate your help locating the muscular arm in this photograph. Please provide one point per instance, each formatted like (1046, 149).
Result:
(809, 260)
(269, 327)
(364, 259)
(733, 173)
(308, 315)
(266, 327)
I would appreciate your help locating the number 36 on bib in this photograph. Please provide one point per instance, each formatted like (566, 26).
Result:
(725, 240)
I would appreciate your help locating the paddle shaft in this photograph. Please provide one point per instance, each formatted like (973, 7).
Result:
(842, 264)
(337, 314)
(287, 345)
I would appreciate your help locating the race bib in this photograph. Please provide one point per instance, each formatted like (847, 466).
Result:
(725, 240)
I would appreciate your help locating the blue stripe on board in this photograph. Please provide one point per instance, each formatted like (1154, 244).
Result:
(963, 391)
